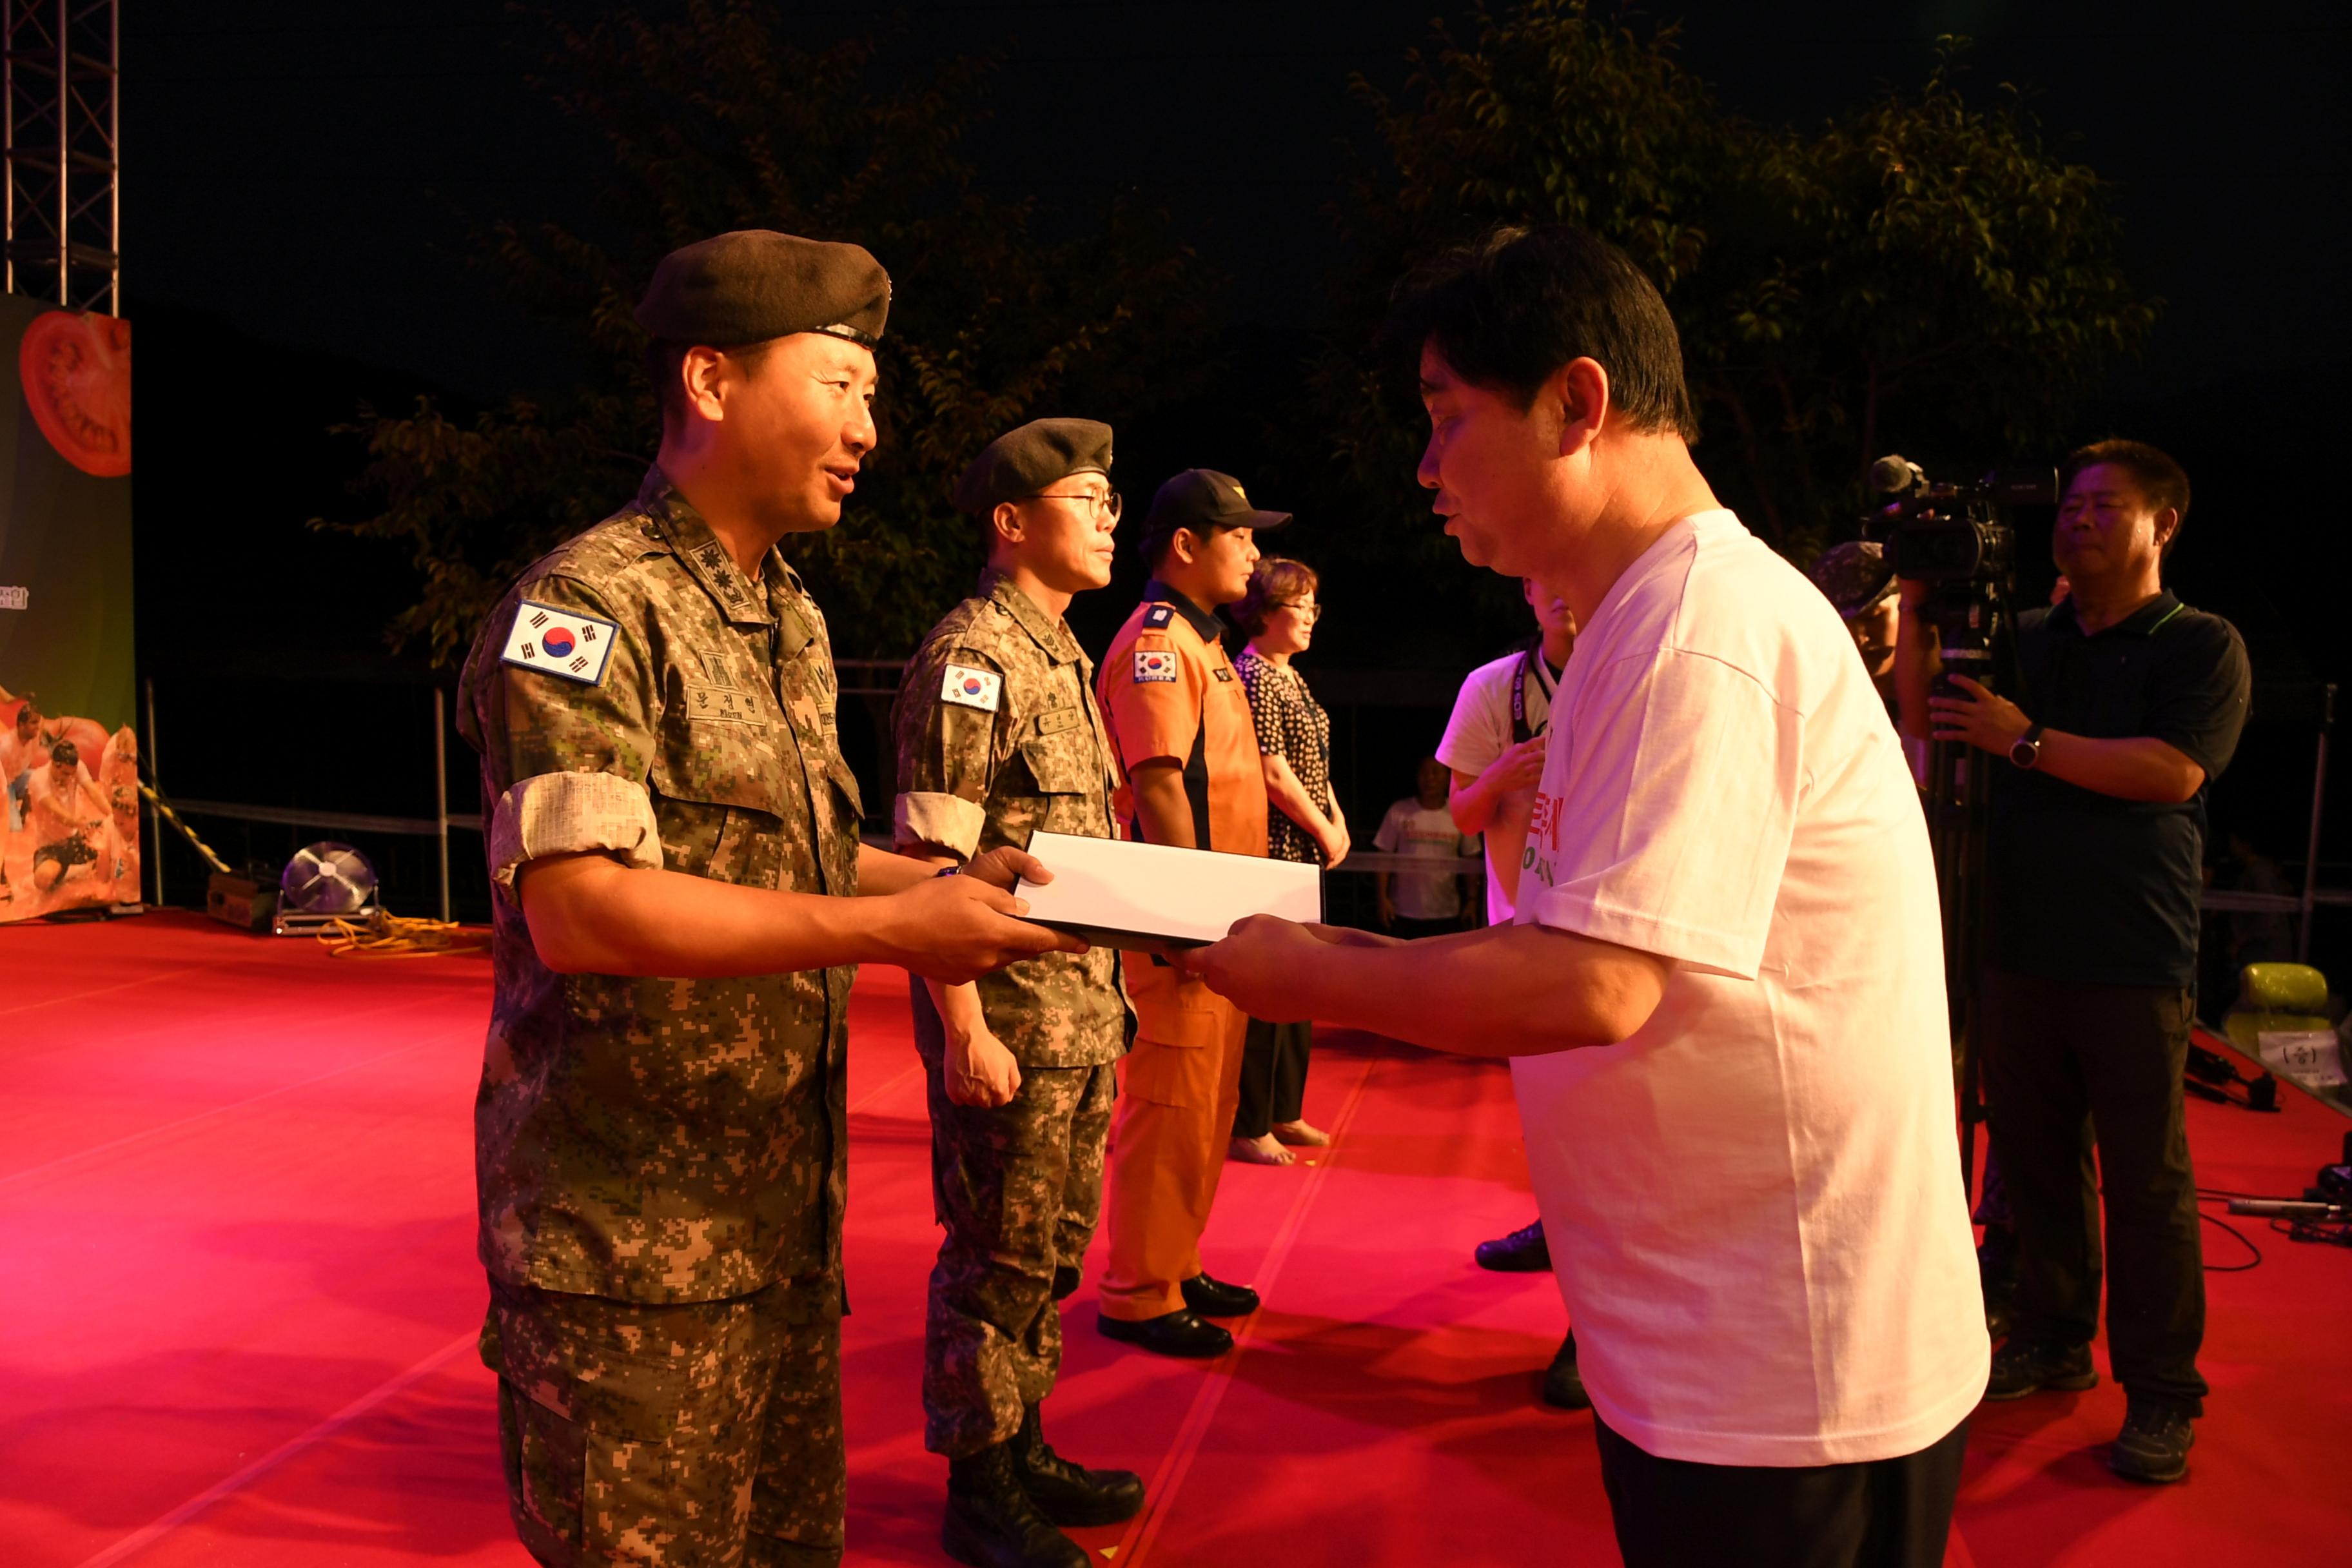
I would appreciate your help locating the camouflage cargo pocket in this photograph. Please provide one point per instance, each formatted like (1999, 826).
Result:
(627, 1425)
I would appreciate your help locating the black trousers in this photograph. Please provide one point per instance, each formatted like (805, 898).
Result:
(1882, 1513)
(1273, 1076)
(1413, 930)
(2074, 1069)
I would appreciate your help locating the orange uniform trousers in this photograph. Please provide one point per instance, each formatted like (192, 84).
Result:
(1182, 1084)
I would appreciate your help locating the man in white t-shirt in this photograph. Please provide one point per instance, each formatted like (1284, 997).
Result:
(1494, 745)
(1423, 903)
(1724, 991)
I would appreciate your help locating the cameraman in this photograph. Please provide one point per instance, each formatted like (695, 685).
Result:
(2128, 703)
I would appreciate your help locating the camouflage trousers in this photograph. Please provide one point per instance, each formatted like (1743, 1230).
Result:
(1018, 1190)
(697, 1434)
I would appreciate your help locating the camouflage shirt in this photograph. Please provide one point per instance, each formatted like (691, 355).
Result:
(998, 736)
(660, 1140)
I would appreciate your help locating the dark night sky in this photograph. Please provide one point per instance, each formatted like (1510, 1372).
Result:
(310, 172)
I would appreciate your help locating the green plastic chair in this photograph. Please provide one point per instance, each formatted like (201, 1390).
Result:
(2280, 996)
(2276, 997)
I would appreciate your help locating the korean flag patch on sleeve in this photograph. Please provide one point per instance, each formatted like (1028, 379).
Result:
(978, 688)
(560, 642)
(1154, 664)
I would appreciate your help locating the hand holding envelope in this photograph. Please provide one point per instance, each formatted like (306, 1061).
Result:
(1257, 967)
(1148, 898)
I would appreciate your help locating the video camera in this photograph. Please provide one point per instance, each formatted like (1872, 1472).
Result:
(1942, 534)
(1959, 541)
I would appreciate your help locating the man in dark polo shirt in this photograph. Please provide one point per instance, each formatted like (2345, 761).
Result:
(2129, 705)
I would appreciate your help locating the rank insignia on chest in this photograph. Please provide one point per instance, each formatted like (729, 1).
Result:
(1158, 615)
(966, 687)
(1154, 664)
(560, 642)
(1224, 672)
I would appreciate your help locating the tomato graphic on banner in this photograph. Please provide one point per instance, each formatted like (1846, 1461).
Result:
(76, 370)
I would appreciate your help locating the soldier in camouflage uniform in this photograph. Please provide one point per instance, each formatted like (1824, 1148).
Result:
(998, 737)
(660, 1128)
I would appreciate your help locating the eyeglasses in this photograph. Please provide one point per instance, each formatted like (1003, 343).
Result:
(1109, 502)
(1307, 609)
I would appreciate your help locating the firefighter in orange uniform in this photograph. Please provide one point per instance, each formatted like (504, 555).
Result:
(1180, 723)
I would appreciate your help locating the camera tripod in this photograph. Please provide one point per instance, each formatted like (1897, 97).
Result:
(1973, 635)
(1959, 778)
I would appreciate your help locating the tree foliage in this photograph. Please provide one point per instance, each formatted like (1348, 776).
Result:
(1922, 269)
(719, 117)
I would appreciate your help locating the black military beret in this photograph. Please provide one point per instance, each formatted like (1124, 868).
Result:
(1200, 499)
(755, 284)
(1020, 463)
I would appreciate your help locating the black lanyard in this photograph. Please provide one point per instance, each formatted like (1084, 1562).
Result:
(1521, 730)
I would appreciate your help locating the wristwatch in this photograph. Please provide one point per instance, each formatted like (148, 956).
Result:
(2026, 750)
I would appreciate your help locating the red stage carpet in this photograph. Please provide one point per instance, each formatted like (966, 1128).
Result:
(236, 1193)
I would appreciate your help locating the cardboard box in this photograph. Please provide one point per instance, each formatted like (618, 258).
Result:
(240, 902)
(1148, 898)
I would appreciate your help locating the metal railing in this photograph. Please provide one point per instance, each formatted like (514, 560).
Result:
(435, 826)
(866, 677)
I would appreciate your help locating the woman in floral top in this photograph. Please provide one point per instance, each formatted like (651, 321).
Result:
(1303, 824)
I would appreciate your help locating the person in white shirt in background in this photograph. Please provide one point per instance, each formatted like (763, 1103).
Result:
(1723, 995)
(1495, 746)
(1495, 743)
(1423, 903)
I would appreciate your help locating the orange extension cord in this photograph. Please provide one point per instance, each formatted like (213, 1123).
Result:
(385, 935)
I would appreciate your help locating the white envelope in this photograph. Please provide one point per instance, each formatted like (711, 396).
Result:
(1148, 898)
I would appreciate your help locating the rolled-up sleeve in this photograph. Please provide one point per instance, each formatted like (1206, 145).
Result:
(579, 753)
(573, 814)
(949, 754)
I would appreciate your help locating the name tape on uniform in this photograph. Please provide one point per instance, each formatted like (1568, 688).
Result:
(1154, 664)
(722, 705)
(978, 688)
(560, 642)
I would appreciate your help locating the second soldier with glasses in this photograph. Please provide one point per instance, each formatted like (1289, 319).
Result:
(997, 738)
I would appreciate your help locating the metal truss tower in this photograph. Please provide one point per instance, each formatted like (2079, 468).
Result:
(62, 98)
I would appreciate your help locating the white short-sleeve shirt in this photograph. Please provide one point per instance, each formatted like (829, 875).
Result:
(1479, 732)
(1755, 1202)
(1412, 829)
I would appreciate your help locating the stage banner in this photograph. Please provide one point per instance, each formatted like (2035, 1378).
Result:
(69, 753)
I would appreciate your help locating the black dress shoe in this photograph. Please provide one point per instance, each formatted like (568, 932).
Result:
(1179, 1332)
(991, 1524)
(1067, 1493)
(1065, 1281)
(1214, 1298)
(1524, 1251)
(1563, 1385)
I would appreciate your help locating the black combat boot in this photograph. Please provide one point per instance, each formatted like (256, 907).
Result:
(1067, 1493)
(991, 1524)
